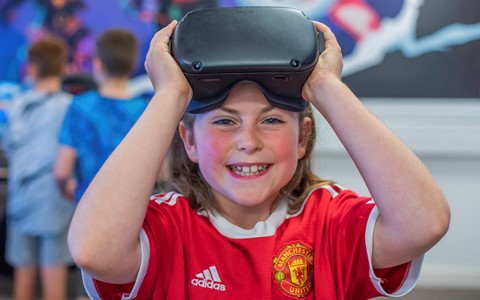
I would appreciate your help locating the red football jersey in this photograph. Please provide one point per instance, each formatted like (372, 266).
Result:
(321, 252)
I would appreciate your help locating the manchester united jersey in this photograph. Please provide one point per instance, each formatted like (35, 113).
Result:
(321, 252)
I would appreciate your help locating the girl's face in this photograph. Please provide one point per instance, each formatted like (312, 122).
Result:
(247, 150)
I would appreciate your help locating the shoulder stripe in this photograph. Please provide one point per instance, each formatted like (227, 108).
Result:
(169, 198)
(333, 189)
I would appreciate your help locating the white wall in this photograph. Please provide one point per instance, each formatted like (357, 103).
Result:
(445, 134)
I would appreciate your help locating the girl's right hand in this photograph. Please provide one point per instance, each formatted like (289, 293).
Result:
(161, 68)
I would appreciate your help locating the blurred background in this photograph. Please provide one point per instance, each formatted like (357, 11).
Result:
(414, 63)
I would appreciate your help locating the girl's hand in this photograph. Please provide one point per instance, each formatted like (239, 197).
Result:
(161, 68)
(329, 64)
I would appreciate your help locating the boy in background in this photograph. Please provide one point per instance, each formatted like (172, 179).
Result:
(38, 215)
(98, 120)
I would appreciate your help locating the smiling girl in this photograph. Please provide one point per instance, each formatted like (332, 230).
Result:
(249, 219)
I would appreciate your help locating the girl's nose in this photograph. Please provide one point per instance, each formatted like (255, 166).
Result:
(249, 139)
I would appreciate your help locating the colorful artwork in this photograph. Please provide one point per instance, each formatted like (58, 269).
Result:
(370, 31)
(394, 48)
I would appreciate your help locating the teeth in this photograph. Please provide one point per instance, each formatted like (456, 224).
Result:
(248, 170)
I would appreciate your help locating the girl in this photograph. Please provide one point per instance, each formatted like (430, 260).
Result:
(253, 222)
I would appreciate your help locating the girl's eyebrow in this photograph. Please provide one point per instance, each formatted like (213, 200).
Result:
(228, 110)
(266, 109)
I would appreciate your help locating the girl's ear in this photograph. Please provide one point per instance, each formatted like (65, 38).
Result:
(305, 133)
(188, 142)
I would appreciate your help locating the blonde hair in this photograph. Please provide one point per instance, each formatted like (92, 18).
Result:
(186, 178)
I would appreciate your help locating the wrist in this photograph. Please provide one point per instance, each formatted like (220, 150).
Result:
(323, 80)
(325, 88)
(173, 98)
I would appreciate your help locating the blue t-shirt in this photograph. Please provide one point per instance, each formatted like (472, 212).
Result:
(94, 126)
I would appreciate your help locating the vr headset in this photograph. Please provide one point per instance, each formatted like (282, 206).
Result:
(275, 47)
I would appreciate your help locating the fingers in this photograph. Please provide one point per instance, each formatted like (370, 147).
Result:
(162, 37)
(160, 42)
(330, 39)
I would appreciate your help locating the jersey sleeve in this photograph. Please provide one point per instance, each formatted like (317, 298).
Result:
(396, 281)
(156, 266)
(97, 289)
(350, 228)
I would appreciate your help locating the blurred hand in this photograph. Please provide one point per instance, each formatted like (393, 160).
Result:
(69, 189)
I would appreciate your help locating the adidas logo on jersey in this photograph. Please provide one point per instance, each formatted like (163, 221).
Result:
(209, 279)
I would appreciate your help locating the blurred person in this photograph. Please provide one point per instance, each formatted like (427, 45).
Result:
(38, 215)
(97, 120)
(11, 53)
(61, 17)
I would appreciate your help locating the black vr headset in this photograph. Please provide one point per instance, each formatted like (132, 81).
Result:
(275, 47)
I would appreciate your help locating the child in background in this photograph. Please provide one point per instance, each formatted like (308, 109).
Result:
(38, 215)
(251, 220)
(97, 120)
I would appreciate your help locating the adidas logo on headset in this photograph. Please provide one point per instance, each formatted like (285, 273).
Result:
(209, 279)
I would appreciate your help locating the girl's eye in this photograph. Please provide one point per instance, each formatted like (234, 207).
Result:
(223, 122)
(273, 121)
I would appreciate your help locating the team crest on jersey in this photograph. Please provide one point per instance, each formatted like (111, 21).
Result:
(293, 269)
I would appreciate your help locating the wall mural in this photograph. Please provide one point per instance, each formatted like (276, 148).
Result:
(394, 48)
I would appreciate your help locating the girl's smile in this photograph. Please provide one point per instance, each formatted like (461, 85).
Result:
(248, 171)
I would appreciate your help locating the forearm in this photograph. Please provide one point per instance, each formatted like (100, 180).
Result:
(107, 222)
(413, 211)
(64, 171)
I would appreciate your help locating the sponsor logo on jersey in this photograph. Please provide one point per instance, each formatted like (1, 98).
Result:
(209, 279)
(293, 269)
